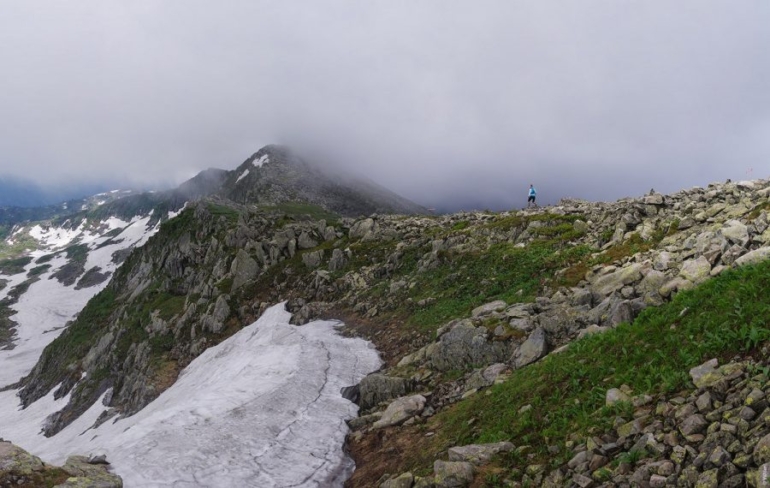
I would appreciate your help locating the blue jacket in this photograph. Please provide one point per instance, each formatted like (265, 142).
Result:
(532, 192)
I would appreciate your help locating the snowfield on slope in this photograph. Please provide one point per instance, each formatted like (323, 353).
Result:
(263, 408)
(44, 309)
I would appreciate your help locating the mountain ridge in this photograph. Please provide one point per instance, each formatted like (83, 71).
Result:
(455, 303)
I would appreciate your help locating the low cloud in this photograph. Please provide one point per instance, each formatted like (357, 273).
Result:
(453, 104)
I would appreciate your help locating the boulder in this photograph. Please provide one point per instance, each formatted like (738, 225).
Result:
(313, 259)
(400, 411)
(486, 309)
(696, 270)
(736, 232)
(363, 227)
(376, 388)
(759, 478)
(464, 346)
(404, 481)
(244, 269)
(533, 349)
(337, 261)
(478, 454)
(762, 451)
(753, 257)
(304, 241)
(611, 282)
(615, 395)
(453, 474)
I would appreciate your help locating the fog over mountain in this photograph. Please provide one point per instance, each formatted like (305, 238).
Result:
(451, 104)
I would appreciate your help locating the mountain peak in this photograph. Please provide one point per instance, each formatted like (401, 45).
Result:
(275, 174)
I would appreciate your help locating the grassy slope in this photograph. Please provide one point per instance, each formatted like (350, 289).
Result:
(723, 317)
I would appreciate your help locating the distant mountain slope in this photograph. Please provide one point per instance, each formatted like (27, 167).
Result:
(274, 175)
(15, 192)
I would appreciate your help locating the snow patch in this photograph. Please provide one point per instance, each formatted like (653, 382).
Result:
(259, 162)
(43, 311)
(243, 175)
(263, 408)
(172, 214)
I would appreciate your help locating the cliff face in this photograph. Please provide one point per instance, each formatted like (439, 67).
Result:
(456, 303)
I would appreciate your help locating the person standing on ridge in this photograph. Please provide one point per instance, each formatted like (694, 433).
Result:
(531, 198)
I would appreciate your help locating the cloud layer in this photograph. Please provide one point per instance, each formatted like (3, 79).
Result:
(453, 104)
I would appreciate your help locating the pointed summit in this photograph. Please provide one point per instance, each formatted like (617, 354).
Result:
(274, 175)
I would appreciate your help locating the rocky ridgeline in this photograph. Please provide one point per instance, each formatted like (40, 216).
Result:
(218, 265)
(18, 468)
(692, 235)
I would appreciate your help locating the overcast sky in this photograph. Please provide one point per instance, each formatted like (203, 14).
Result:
(454, 104)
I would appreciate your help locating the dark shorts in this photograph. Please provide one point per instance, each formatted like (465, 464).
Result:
(531, 198)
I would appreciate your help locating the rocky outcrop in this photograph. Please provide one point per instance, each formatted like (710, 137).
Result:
(20, 468)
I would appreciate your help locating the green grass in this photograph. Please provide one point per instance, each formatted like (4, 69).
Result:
(725, 316)
(503, 272)
(166, 304)
(21, 244)
(294, 211)
(222, 210)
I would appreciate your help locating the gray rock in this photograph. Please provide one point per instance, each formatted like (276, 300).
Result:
(753, 257)
(478, 454)
(614, 395)
(453, 474)
(592, 329)
(313, 259)
(363, 227)
(337, 261)
(533, 349)
(759, 478)
(736, 232)
(244, 269)
(762, 451)
(611, 282)
(694, 424)
(400, 411)
(463, 346)
(305, 241)
(696, 270)
(621, 312)
(486, 377)
(486, 309)
(404, 481)
(654, 199)
(376, 388)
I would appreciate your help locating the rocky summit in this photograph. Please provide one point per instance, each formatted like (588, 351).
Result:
(582, 344)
